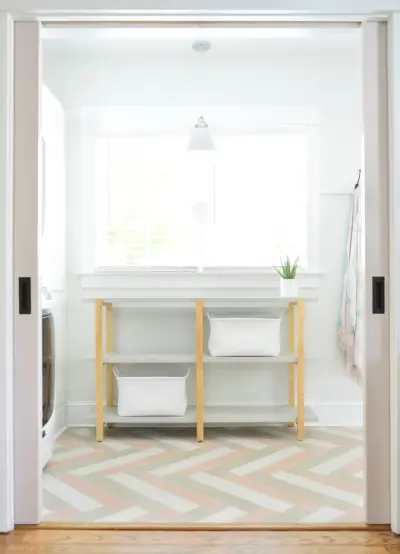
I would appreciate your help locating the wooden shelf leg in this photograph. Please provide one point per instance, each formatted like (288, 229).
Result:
(292, 384)
(109, 346)
(300, 370)
(199, 370)
(99, 370)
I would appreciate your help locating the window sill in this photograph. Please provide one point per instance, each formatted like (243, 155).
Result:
(184, 284)
(212, 270)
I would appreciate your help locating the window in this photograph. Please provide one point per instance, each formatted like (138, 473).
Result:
(162, 207)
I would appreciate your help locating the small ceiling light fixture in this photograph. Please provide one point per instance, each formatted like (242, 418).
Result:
(201, 46)
(201, 138)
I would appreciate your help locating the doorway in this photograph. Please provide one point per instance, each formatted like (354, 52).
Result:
(374, 167)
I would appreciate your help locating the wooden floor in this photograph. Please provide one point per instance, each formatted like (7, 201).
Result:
(198, 542)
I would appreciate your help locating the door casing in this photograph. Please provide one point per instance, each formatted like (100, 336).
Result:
(27, 430)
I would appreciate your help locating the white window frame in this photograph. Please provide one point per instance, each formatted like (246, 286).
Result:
(300, 120)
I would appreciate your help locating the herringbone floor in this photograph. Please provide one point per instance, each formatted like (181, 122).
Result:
(242, 476)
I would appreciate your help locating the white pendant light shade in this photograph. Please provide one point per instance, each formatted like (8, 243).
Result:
(201, 138)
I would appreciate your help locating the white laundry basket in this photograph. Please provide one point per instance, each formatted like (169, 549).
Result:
(244, 336)
(151, 391)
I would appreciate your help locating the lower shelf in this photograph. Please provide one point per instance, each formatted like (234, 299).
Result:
(221, 415)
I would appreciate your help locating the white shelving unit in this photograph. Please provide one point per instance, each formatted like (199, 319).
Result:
(294, 412)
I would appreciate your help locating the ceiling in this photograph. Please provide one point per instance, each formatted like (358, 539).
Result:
(245, 39)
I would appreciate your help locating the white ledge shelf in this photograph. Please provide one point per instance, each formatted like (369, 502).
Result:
(110, 415)
(284, 359)
(190, 359)
(219, 415)
(149, 358)
(251, 301)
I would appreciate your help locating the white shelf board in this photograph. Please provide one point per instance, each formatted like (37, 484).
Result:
(283, 359)
(218, 415)
(254, 415)
(134, 358)
(111, 416)
(148, 358)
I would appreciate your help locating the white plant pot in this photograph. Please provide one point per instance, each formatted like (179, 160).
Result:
(289, 288)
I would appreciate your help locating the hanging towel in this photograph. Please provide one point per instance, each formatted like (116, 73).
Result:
(350, 327)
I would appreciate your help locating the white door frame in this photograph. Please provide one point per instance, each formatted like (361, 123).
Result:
(394, 221)
(6, 273)
(337, 9)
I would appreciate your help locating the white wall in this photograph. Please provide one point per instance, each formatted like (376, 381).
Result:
(53, 245)
(294, 82)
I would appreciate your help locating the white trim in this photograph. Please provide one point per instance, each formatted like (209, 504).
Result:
(394, 222)
(6, 274)
(305, 9)
(61, 419)
(273, 8)
(83, 414)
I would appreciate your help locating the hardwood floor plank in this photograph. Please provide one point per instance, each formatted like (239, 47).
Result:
(38, 541)
(329, 527)
(202, 549)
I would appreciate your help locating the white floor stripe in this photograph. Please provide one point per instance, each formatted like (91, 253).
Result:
(85, 432)
(117, 462)
(267, 461)
(320, 444)
(359, 474)
(357, 435)
(124, 516)
(224, 516)
(180, 505)
(68, 494)
(117, 445)
(325, 514)
(328, 467)
(182, 465)
(243, 493)
(69, 454)
(182, 444)
(251, 444)
(326, 490)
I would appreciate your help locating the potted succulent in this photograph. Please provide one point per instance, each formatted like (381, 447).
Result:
(287, 272)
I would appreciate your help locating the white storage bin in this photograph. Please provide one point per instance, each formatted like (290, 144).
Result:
(151, 391)
(244, 336)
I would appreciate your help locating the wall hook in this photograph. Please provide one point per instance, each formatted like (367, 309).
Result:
(358, 180)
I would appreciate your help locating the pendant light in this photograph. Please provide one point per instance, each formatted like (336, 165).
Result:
(201, 139)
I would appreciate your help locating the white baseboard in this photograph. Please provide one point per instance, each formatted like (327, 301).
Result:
(338, 415)
(83, 414)
(61, 419)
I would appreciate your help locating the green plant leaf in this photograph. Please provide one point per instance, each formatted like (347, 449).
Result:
(287, 270)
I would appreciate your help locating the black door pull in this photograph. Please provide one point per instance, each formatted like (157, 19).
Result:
(25, 301)
(378, 295)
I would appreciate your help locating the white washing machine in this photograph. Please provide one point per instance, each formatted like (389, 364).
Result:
(48, 374)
